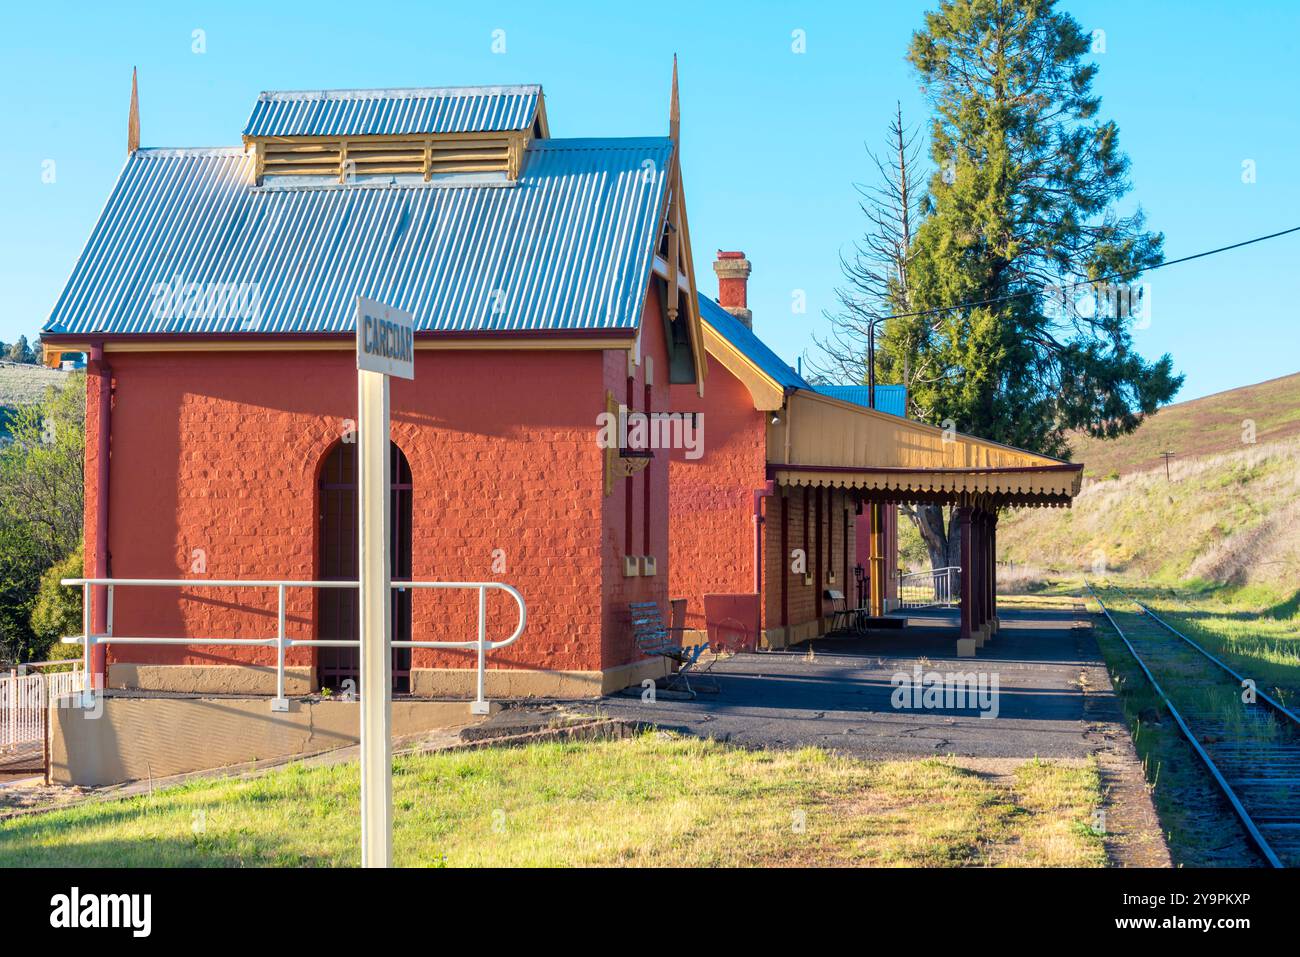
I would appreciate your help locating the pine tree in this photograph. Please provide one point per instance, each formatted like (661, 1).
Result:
(1022, 205)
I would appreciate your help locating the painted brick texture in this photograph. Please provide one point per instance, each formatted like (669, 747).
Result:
(619, 647)
(801, 598)
(214, 472)
(712, 503)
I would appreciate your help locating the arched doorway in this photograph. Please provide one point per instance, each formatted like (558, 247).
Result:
(340, 616)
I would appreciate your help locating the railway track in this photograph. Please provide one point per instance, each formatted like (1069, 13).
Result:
(1250, 748)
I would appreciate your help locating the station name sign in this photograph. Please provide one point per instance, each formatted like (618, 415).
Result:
(385, 339)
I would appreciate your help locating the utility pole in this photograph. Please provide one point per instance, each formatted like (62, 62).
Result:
(876, 551)
(871, 363)
(1167, 457)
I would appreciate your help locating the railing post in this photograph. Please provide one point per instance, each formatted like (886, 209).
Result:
(279, 702)
(88, 643)
(14, 708)
(480, 706)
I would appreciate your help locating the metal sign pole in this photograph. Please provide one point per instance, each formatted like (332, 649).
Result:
(376, 625)
(385, 347)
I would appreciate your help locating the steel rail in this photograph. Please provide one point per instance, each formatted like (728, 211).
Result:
(1260, 841)
(1268, 699)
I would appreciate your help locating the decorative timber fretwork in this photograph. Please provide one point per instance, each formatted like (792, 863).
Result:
(673, 261)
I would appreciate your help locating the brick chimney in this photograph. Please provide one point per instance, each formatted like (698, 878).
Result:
(733, 285)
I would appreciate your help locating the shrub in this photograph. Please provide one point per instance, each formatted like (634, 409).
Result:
(58, 609)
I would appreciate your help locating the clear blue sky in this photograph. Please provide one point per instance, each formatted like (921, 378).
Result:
(772, 140)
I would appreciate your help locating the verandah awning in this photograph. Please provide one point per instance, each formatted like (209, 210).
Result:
(821, 441)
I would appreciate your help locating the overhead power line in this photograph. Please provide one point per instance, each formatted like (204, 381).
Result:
(1091, 282)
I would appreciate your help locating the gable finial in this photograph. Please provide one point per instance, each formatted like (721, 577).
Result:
(133, 120)
(674, 108)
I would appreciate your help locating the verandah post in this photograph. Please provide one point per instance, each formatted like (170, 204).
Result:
(981, 575)
(987, 555)
(967, 593)
(993, 570)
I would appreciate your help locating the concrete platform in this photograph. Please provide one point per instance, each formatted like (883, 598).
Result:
(138, 736)
(837, 693)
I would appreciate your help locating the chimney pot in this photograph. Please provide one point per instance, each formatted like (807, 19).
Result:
(733, 285)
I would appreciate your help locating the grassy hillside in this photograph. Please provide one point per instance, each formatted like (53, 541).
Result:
(1229, 513)
(22, 384)
(1231, 518)
(1200, 427)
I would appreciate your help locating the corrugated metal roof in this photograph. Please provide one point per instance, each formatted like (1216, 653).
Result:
(754, 348)
(451, 109)
(568, 246)
(889, 398)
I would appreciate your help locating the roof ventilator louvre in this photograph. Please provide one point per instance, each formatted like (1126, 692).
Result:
(344, 159)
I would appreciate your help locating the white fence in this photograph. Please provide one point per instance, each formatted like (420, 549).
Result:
(280, 641)
(24, 700)
(942, 587)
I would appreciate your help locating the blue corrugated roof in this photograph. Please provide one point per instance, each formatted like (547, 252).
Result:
(568, 246)
(889, 398)
(452, 109)
(754, 348)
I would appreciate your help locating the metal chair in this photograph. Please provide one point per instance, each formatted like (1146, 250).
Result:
(653, 637)
(843, 616)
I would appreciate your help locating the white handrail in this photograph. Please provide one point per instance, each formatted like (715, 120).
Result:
(938, 586)
(280, 641)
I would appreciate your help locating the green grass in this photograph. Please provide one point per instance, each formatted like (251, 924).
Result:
(1232, 518)
(655, 800)
(1253, 629)
(1197, 830)
(1199, 827)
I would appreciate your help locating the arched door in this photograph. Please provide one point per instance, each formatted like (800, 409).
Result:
(340, 613)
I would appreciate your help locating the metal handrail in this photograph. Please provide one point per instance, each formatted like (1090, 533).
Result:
(939, 587)
(87, 639)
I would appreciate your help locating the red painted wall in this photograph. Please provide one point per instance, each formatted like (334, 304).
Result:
(219, 452)
(215, 465)
(712, 527)
(712, 502)
(801, 596)
(618, 590)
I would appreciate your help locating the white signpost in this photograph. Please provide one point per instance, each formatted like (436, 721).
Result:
(385, 347)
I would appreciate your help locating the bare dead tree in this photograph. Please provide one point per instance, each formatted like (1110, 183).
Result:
(876, 269)
(878, 285)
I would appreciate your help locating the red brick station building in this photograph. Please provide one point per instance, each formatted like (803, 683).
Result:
(551, 280)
